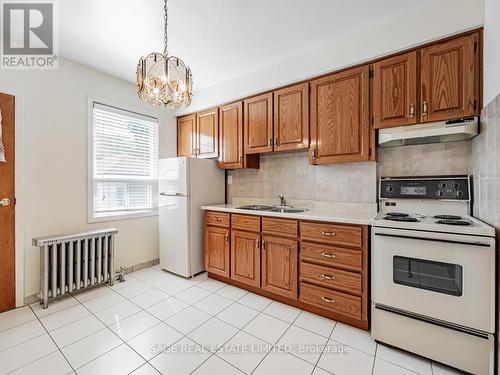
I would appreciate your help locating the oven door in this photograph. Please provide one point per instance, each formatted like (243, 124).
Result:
(442, 276)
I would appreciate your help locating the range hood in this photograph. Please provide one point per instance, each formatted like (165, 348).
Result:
(435, 132)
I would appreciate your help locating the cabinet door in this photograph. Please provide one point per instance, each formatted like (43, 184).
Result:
(450, 79)
(245, 257)
(340, 129)
(279, 266)
(217, 250)
(395, 91)
(207, 134)
(259, 124)
(231, 136)
(291, 118)
(186, 128)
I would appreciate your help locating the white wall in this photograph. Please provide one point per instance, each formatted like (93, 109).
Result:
(491, 51)
(438, 19)
(55, 159)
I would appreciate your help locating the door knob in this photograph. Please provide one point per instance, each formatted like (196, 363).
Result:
(5, 202)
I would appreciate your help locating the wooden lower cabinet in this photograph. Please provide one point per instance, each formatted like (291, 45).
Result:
(217, 250)
(279, 266)
(245, 257)
(320, 267)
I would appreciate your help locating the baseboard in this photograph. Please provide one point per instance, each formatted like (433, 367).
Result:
(140, 266)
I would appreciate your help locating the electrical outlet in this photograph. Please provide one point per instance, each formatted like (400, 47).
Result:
(229, 180)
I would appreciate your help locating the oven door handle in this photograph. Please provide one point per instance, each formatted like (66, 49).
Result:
(432, 239)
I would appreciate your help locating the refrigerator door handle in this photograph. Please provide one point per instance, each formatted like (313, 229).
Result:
(173, 194)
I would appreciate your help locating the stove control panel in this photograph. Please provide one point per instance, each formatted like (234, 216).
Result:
(432, 187)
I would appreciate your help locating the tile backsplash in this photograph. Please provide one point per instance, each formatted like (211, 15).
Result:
(292, 174)
(485, 165)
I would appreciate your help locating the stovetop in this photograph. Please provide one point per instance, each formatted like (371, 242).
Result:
(431, 203)
(458, 224)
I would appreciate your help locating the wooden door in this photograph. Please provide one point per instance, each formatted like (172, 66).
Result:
(7, 208)
(231, 136)
(258, 124)
(186, 129)
(207, 134)
(340, 130)
(450, 79)
(217, 250)
(291, 118)
(395, 91)
(279, 266)
(245, 257)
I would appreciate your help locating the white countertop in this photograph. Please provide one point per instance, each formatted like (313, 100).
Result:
(337, 216)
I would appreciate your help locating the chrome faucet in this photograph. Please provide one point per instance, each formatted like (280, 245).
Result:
(282, 199)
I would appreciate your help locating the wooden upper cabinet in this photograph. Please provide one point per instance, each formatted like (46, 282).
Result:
(245, 257)
(291, 118)
(395, 91)
(340, 131)
(186, 128)
(450, 78)
(217, 250)
(207, 134)
(231, 136)
(258, 129)
(279, 266)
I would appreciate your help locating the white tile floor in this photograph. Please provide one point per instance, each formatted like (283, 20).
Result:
(158, 323)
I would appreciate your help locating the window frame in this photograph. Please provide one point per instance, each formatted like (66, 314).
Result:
(117, 215)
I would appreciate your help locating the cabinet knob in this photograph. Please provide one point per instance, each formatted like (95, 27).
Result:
(327, 254)
(5, 202)
(328, 233)
(227, 239)
(270, 143)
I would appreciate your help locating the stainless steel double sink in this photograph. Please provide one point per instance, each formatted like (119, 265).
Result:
(283, 209)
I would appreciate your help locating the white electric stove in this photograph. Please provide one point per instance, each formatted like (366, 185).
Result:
(433, 272)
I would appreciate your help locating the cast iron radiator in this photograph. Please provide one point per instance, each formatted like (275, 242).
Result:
(72, 262)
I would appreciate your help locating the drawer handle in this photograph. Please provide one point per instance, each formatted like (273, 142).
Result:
(328, 299)
(217, 219)
(227, 239)
(328, 255)
(327, 277)
(327, 233)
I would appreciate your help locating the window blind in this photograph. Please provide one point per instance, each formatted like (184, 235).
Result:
(124, 161)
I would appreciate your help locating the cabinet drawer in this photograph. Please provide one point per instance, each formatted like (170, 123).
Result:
(245, 222)
(220, 219)
(331, 256)
(331, 277)
(336, 234)
(284, 227)
(332, 300)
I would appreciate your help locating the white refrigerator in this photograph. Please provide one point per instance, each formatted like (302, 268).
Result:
(186, 184)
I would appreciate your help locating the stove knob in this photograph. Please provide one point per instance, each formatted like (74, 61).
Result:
(439, 193)
(441, 185)
(389, 189)
(455, 185)
(459, 194)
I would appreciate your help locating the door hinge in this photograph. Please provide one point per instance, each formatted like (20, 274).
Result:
(370, 73)
(372, 120)
(475, 104)
(369, 152)
(310, 90)
(475, 46)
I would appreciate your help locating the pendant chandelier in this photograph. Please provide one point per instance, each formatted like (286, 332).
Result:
(164, 80)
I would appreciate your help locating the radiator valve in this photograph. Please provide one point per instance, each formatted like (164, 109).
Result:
(120, 275)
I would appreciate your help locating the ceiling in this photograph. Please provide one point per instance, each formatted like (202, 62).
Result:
(219, 39)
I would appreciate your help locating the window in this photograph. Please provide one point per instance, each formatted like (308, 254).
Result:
(123, 163)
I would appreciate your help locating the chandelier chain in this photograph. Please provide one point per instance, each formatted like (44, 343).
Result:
(165, 39)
